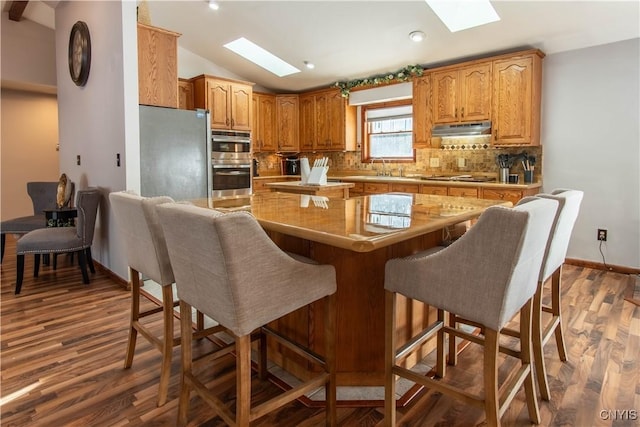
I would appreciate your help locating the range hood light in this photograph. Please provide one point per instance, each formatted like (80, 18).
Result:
(462, 129)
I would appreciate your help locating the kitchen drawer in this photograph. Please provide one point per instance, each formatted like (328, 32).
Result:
(434, 189)
(405, 188)
(463, 192)
(512, 196)
(375, 187)
(358, 187)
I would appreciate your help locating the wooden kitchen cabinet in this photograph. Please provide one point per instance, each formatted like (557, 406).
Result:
(327, 122)
(375, 187)
(307, 122)
(462, 94)
(185, 94)
(512, 196)
(405, 188)
(264, 135)
(157, 66)
(436, 190)
(517, 83)
(463, 192)
(287, 123)
(422, 112)
(229, 101)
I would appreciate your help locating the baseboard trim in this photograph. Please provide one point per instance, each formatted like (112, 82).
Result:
(113, 276)
(601, 266)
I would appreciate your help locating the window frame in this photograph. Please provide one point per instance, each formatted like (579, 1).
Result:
(365, 152)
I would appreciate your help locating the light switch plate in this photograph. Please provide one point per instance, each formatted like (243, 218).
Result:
(434, 162)
(461, 162)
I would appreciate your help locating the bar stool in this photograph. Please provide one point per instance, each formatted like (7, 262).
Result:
(488, 287)
(555, 253)
(568, 209)
(146, 253)
(227, 267)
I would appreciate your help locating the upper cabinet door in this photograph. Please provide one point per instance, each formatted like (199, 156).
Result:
(445, 96)
(475, 93)
(516, 101)
(307, 123)
(218, 104)
(337, 104)
(421, 112)
(264, 122)
(240, 106)
(462, 94)
(288, 122)
(157, 66)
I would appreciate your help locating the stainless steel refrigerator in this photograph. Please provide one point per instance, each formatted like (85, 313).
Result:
(175, 153)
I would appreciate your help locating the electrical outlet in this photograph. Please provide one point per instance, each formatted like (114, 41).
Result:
(78, 160)
(602, 234)
(434, 162)
(461, 162)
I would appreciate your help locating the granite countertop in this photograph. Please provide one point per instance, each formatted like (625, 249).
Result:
(360, 224)
(447, 183)
(413, 180)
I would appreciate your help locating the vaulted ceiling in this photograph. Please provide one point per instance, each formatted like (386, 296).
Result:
(356, 39)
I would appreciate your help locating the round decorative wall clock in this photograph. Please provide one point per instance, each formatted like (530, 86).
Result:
(79, 53)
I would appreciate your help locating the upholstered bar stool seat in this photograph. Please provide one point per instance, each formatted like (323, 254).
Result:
(227, 267)
(488, 276)
(146, 251)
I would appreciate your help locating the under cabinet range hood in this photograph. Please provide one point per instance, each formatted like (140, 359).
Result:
(462, 129)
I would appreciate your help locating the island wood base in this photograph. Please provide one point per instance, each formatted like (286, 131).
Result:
(360, 311)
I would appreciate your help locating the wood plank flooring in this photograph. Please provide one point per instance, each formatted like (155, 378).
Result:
(63, 344)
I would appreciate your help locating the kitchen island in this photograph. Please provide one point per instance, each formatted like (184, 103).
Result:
(357, 236)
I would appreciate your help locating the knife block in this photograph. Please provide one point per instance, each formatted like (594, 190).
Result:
(318, 175)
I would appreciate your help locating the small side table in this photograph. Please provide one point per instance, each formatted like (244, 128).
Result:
(61, 217)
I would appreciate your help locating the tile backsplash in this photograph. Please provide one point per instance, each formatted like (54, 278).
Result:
(473, 155)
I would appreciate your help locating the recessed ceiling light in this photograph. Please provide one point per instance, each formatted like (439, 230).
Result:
(416, 36)
(262, 57)
(214, 5)
(309, 65)
(461, 15)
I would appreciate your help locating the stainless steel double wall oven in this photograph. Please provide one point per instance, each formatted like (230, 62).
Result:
(231, 163)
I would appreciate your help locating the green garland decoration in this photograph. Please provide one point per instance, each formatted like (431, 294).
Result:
(401, 75)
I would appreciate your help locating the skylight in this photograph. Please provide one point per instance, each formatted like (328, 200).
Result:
(259, 56)
(461, 15)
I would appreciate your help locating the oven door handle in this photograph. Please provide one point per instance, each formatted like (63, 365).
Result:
(232, 173)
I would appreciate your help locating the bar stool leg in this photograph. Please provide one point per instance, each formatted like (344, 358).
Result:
(525, 355)
(243, 380)
(330, 359)
(538, 346)
(186, 335)
(556, 279)
(167, 343)
(135, 316)
(389, 359)
(491, 402)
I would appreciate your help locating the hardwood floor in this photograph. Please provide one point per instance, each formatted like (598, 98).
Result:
(63, 345)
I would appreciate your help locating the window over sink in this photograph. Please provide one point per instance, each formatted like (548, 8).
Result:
(388, 132)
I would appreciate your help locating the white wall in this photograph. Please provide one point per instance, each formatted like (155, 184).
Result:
(591, 142)
(28, 53)
(29, 139)
(99, 120)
